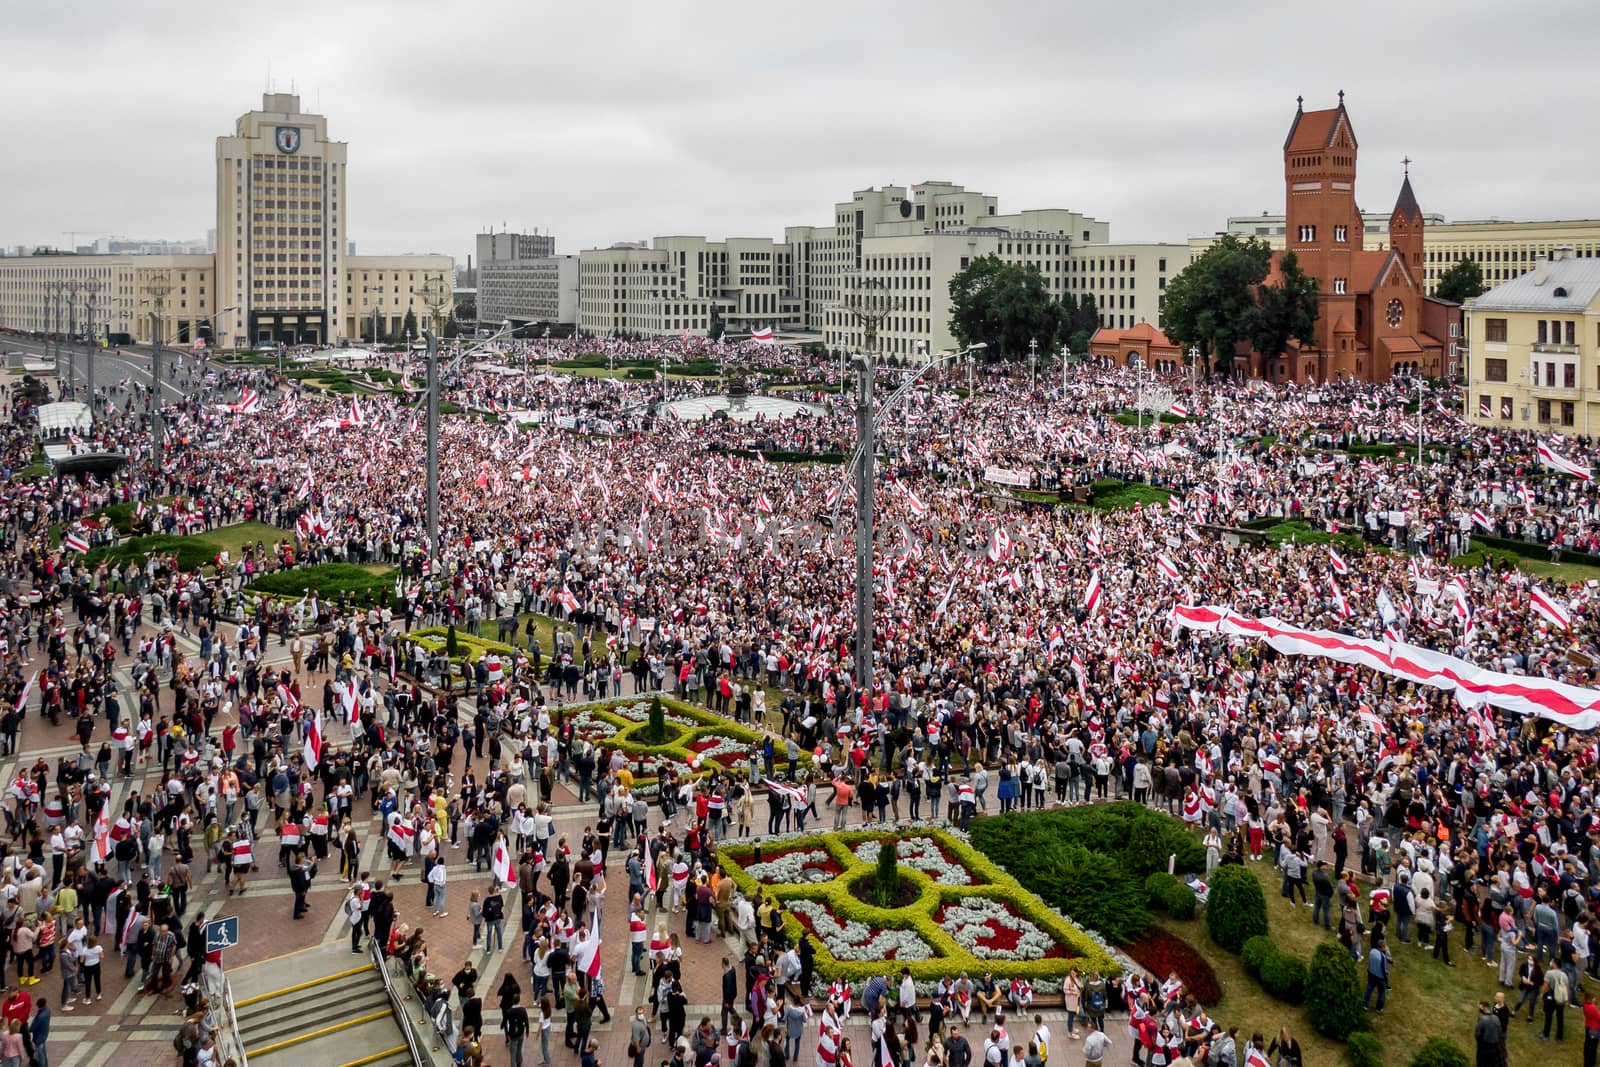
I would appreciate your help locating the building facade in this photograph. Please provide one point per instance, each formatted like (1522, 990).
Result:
(520, 279)
(1503, 250)
(281, 208)
(379, 292)
(280, 272)
(110, 296)
(1127, 281)
(902, 246)
(1534, 348)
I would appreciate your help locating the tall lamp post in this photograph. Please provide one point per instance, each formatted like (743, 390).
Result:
(1033, 362)
(1066, 358)
(158, 287)
(862, 463)
(91, 290)
(72, 290)
(53, 347)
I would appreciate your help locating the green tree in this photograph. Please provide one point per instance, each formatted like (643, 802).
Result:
(1333, 992)
(1236, 908)
(411, 324)
(1212, 302)
(466, 309)
(1082, 320)
(1286, 310)
(1440, 1052)
(1004, 305)
(656, 731)
(1462, 282)
(886, 879)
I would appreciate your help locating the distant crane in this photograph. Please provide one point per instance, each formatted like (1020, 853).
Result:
(72, 236)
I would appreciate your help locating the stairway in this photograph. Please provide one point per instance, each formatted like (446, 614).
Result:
(324, 1005)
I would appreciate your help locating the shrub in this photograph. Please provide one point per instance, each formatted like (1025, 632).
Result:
(1171, 895)
(1284, 976)
(1096, 891)
(1236, 909)
(1162, 953)
(329, 580)
(452, 649)
(1146, 848)
(1440, 1052)
(1333, 992)
(886, 882)
(641, 374)
(1255, 953)
(1365, 1050)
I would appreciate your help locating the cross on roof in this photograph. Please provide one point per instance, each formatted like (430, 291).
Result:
(1406, 162)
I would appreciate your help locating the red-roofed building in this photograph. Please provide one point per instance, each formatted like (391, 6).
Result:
(1373, 317)
(1372, 321)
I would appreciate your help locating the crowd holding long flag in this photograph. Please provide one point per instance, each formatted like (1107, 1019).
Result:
(1474, 686)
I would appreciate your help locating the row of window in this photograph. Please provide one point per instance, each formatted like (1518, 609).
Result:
(1544, 409)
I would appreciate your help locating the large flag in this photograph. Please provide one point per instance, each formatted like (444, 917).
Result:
(763, 336)
(1091, 595)
(311, 748)
(1548, 606)
(1167, 567)
(650, 877)
(102, 833)
(1553, 459)
(1337, 561)
(75, 542)
(347, 700)
(500, 865)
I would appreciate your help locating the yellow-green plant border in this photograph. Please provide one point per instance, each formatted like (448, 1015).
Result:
(988, 881)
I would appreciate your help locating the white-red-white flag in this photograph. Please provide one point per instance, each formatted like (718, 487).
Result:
(1550, 608)
(500, 865)
(1091, 595)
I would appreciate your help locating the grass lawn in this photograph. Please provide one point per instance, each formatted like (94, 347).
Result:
(1114, 496)
(1426, 998)
(234, 537)
(1304, 534)
(1561, 572)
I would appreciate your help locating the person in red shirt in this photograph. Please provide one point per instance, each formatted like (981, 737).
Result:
(1591, 1029)
(17, 1005)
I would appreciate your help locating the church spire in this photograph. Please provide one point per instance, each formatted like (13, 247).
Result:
(1405, 205)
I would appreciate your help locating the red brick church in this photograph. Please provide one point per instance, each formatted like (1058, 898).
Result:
(1373, 318)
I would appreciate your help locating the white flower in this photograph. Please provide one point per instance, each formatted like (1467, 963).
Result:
(724, 746)
(920, 854)
(969, 922)
(852, 940)
(808, 865)
(591, 726)
(640, 712)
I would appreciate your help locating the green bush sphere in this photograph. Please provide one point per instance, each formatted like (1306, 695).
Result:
(1255, 953)
(1284, 976)
(1333, 991)
(1236, 909)
(1440, 1052)
(1365, 1050)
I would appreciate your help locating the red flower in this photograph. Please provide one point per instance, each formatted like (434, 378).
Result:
(1161, 953)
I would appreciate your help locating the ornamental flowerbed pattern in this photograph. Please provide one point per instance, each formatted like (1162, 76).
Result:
(992, 930)
(700, 741)
(967, 915)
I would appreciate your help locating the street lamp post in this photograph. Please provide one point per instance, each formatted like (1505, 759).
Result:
(73, 289)
(1066, 357)
(433, 445)
(155, 390)
(863, 463)
(1033, 362)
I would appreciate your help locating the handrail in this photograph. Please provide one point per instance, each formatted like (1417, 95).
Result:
(232, 1035)
(407, 1026)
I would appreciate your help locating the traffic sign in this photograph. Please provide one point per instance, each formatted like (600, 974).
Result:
(222, 933)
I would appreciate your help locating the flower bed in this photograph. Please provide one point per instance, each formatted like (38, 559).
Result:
(701, 741)
(967, 914)
(992, 930)
(920, 854)
(1161, 953)
(796, 865)
(850, 939)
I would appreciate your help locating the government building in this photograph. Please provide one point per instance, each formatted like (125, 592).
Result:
(280, 273)
(896, 247)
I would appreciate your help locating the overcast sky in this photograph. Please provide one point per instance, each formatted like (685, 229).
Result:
(618, 121)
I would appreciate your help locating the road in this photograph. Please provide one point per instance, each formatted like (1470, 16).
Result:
(112, 365)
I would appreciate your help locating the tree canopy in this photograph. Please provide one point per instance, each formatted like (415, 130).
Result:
(1005, 305)
(1461, 282)
(1220, 299)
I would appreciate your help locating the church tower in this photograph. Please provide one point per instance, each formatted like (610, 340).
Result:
(1405, 228)
(1323, 226)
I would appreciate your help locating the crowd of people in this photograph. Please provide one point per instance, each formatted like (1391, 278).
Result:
(677, 566)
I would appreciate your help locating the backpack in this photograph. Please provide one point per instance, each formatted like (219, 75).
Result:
(1559, 992)
(1097, 1001)
(494, 908)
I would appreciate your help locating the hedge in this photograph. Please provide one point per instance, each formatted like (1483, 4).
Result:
(1171, 895)
(1236, 909)
(788, 457)
(469, 649)
(1333, 993)
(192, 552)
(329, 580)
(1078, 860)
(1281, 974)
(1132, 418)
(989, 881)
(1113, 495)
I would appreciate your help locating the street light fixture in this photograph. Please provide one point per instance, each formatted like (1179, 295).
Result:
(867, 423)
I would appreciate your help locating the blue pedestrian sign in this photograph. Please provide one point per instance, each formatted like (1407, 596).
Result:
(222, 933)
